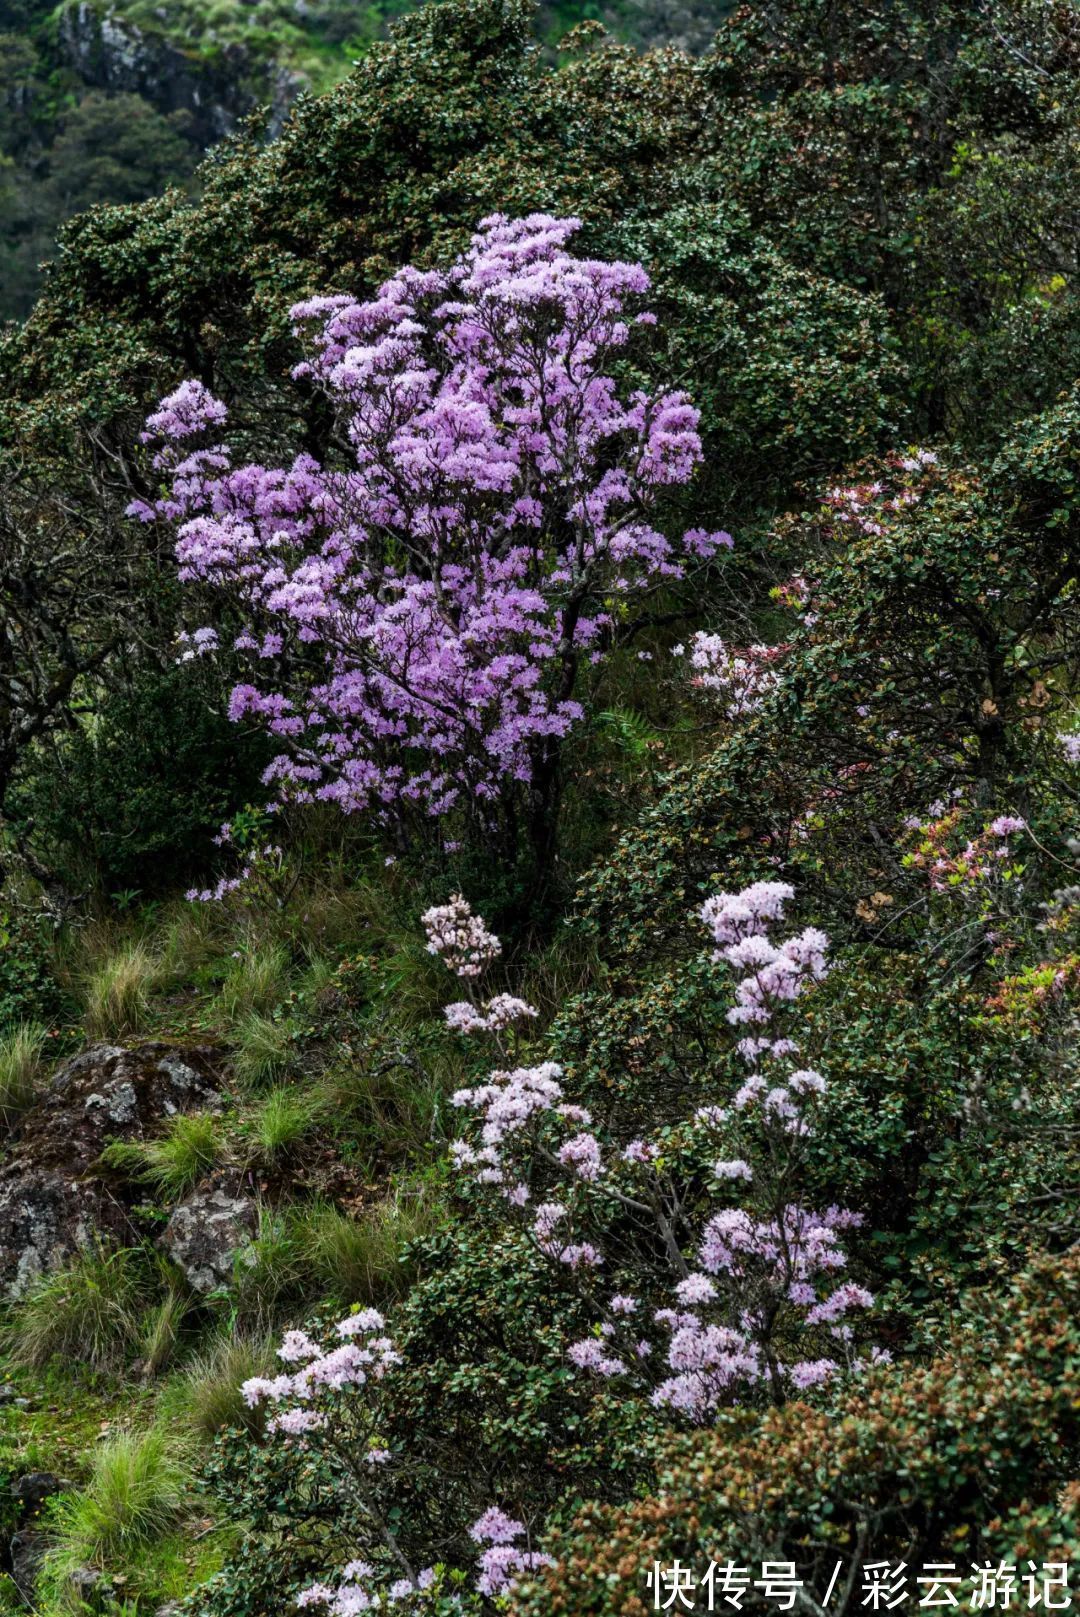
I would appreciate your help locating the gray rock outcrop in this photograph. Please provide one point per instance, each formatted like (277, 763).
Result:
(54, 1197)
(207, 1230)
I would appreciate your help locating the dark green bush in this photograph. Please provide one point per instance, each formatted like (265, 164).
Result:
(29, 991)
(129, 801)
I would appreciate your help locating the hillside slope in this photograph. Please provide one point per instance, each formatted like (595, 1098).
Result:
(115, 100)
(539, 863)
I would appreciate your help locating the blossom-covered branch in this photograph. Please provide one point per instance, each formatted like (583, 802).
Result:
(764, 1287)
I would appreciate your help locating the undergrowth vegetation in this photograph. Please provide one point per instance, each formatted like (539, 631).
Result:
(86, 1312)
(20, 1068)
(585, 1079)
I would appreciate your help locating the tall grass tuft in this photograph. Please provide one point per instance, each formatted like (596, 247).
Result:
(393, 1108)
(118, 989)
(271, 1271)
(20, 1068)
(159, 1334)
(280, 1122)
(190, 939)
(364, 1259)
(211, 1384)
(262, 1048)
(87, 1312)
(135, 1495)
(177, 1159)
(256, 981)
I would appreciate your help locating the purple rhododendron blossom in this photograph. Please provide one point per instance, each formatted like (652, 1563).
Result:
(417, 616)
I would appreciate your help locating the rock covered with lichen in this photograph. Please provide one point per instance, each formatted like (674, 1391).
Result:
(54, 1196)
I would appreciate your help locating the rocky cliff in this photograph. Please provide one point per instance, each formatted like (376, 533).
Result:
(108, 51)
(107, 101)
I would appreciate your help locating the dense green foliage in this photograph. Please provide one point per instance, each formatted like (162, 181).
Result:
(859, 224)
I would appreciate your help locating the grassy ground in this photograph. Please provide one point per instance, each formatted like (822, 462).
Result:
(131, 1508)
(323, 1011)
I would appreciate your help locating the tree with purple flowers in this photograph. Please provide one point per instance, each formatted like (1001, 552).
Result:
(421, 616)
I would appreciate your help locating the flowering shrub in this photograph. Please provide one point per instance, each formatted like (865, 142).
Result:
(970, 1459)
(504, 1560)
(983, 858)
(762, 1305)
(975, 877)
(421, 613)
(763, 1288)
(331, 1400)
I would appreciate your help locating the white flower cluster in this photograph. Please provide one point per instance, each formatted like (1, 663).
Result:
(364, 1354)
(741, 679)
(495, 1017)
(460, 937)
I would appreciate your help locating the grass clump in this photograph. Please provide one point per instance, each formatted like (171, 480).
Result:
(159, 1336)
(271, 1271)
(281, 1121)
(189, 1147)
(364, 1259)
(262, 1049)
(190, 939)
(135, 1495)
(20, 1068)
(88, 1312)
(210, 1388)
(391, 1107)
(117, 991)
(256, 981)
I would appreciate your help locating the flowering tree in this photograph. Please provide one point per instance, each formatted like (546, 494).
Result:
(420, 615)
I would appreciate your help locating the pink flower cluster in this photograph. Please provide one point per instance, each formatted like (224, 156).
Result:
(520, 1111)
(863, 508)
(466, 947)
(763, 1266)
(796, 594)
(459, 938)
(503, 1560)
(355, 1593)
(418, 614)
(499, 1013)
(362, 1353)
(739, 679)
(974, 864)
(775, 972)
(765, 1278)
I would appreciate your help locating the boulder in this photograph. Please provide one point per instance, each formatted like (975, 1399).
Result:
(85, 1581)
(35, 1487)
(214, 91)
(26, 1551)
(54, 1198)
(208, 1228)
